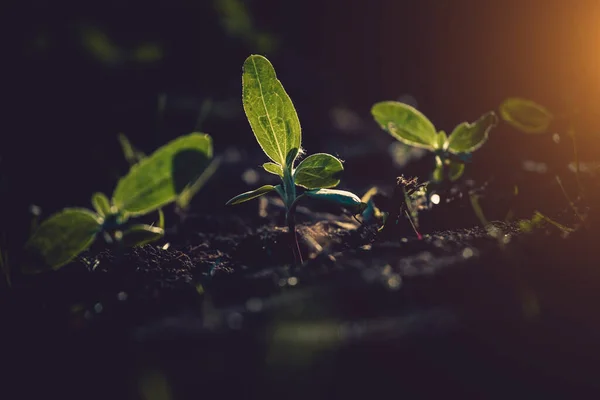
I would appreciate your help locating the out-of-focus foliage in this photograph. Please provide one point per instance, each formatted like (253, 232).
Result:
(526, 115)
(237, 22)
(152, 183)
(410, 126)
(100, 46)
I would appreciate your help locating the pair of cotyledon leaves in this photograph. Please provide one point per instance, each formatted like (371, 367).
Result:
(151, 184)
(277, 130)
(410, 126)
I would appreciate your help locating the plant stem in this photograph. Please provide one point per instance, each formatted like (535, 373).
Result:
(295, 245)
(290, 200)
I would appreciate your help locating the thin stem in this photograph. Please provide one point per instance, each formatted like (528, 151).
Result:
(571, 203)
(290, 200)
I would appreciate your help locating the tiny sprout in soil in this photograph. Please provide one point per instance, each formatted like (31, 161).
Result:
(276, 126)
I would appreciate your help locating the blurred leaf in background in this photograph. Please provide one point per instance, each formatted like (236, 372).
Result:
(99, 45)
(237, 22)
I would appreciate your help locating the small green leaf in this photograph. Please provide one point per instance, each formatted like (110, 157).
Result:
(345, 199)
(273, 168)
(101, 204)
(526, 115)
(468, 137)
(269, 110)
(160, 178)
(455, 170)
(318, 171)
(438, 172)
(252, 194)
(140, 234)
(61, 237)
(405, 123)
(440, 140)
(132, 155)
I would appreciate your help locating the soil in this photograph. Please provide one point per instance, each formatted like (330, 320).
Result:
(219, 308)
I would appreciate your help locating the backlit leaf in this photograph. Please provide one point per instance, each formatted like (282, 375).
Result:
(526, 115)
(405, 123)
(273, 168)
(441, 139)
(468, 137)
(101, 204)
(61, 237)
(132, 155)
(318, 171)
(190, 190)
(157, 180)
(269, 109)
(345, 199)
(140, 234)
(252, 194)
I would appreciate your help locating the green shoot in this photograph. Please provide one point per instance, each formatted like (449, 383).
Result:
(277, 130)
(152, 183)
(411, 127)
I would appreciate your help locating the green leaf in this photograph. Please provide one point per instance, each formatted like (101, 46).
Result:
(438, 172)
(160, 178)
(345, 199)
(252, 194)
(468, 137)
(132, 155)
(455, 170)
(273, 168)
(318, 171)
(141, 234)
(101, 204)
(190, 190)
(405, 123)
(269, 109)
(440, 140)
(526, 115)
(61, 237)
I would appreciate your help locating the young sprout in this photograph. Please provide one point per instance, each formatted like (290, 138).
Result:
(530, 117)
(411, 127)
(276, 127)
(152, 183)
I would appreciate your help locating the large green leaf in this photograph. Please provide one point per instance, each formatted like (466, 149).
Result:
(526, 115)
(468, 137)
(61, 237)
(252, 194)
(141, 234)
(157, 180)
(269, 109)
(318, 171)
(343, 198)
(405, 123)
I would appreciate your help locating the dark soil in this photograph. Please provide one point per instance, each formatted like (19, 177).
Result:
(218, 307)
(223, 311)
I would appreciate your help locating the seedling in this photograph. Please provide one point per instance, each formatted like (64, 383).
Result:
(134, 155)
(411, 127)
(530, 117)
(152, 183)
(276, 126)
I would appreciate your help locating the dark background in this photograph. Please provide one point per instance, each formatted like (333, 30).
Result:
(64, 104)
